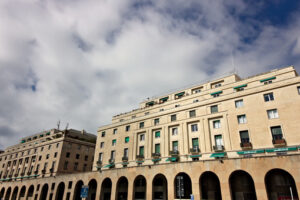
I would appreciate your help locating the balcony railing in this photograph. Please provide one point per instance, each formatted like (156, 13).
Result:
(155, 155)
(174, 153)
(279, 142)
(111, 161)
(246, 145)
(219, 148)
(125, 158)
(195, 150)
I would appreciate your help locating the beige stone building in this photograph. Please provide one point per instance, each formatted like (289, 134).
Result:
(230, 138)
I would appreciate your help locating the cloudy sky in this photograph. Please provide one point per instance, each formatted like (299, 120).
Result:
(83, 61)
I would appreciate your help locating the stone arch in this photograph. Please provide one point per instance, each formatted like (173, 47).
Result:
(92, 189)
(106, 189)
(182, 186)
(7, 195)
(160, 187)
(60, 191)
(77, 190)
(15, 193)
(30, 193)
(44, 192)
(139, 188)
(280, 185)
(210, 186)
(241, 185)
(22, 193)
(122, 188)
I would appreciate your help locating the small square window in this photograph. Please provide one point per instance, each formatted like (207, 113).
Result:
(174, 131)
(217, 124)
(242, 119)
(156, 121)
(192, 113)
(272, 114)
(214, 109)
(239, 103)
(268, 97)
(127, 128)
(194, 127)
(173, 118)
(142, 124)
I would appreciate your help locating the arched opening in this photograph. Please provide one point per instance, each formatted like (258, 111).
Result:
(92, 189)
(60, 191)
(139, 188)
(2, 193)
(210, 186)
(280, 185)
(30, 193)
(44, 192)
(159, 187)
(182, 186)
(242, 186)
(106, 189)
(77, 190)
(122, 189)
(7, 195)
(22, 193)
(15, 193)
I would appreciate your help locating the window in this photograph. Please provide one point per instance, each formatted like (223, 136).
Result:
(127, 128)
(75, 166)
(142, 124)
(126, 152)
(112, 154)
(156, 121)
(173, 118)
(126, 139)
(242, 119)
(268, 97)
(175, 145)
(218, 140)
(239, 103)
(272, 114)
(103, 134)
(192, 113)
(276, 133)
(77, 156)
(66, 165)
(174, 131)
(142, 137)
(217, 124)
(101, 144)
(114, 142)
(194, 127)
(195, 143)
(214, 109)
(157, 148)
(100, 157)
(298, 88)
(157, 134)
(244, 135)
(86, 158)
(141, 150)
(115, 131)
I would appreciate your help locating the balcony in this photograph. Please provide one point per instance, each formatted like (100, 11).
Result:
(219, 148)
(174, 153)
(279, 142)
(111, 161)
(195, 150)
(125, 158)
(155, 155)
(140, 157)
(246, 145)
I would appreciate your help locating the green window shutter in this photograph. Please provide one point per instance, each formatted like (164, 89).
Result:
(126, 139)
(195, 142)
(157, 148)
(157, 134)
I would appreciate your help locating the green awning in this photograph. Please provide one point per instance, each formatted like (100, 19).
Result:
(240, 86)
(282, 149)
(251, 152)
(267, 79)
(172, 159)
(164, 99)
(179, 94)
(195, 156)
(156, 160)
(108, 166)
(219, 92)
(218, 155)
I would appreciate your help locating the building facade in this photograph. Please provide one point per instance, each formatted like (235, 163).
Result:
(230, 138)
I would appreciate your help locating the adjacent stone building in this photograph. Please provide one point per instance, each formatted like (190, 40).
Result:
(230, 138)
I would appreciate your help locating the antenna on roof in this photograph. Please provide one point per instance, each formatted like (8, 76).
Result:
(58, 124)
